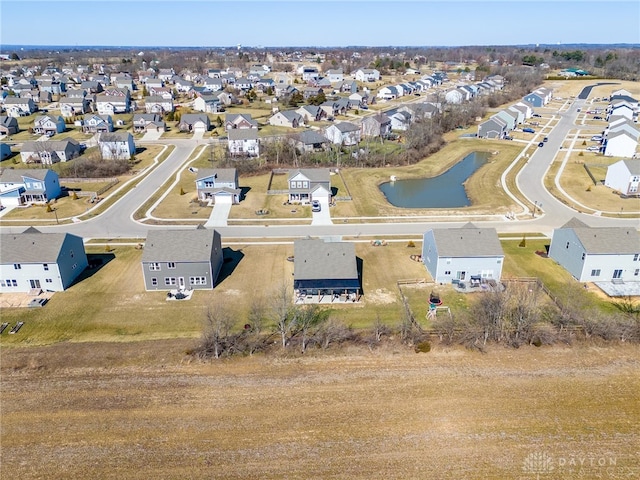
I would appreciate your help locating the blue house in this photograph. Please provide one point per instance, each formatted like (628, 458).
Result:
(465, 254)
(219, 185)
(20, 187)
(534, 99)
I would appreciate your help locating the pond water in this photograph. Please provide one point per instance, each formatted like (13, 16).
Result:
(444, 191)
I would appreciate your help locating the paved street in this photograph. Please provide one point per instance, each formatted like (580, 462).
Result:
(117, 221)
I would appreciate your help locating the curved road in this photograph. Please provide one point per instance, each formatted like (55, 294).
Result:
(117, 221)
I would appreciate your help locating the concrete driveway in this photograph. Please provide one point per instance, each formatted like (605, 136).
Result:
(323, 217)
(219, 215)
(151, 135)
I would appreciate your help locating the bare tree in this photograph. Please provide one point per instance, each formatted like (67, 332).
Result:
(218, 322)
(283, 311)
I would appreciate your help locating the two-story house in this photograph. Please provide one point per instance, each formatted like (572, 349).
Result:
(20, 187)
(219, 185)
(308, 184)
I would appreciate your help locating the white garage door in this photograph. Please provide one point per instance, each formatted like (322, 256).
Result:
(226, 199)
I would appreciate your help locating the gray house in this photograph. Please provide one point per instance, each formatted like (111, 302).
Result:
(325, 271)
(465, 254)
(42, 261)
(181, 259)
(609, 254)
(307, 184)
(494, 127)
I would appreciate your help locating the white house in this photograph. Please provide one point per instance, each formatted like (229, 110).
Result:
(40, 261)
(620, 144)
(367, 75)
(244, 141)
(624, 176)
(116, 145)
(344, 133)
(593, 254)
(463, 254)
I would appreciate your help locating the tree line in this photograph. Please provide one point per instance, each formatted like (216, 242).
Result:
(513, 316)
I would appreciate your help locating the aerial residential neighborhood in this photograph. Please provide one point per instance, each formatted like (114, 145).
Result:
(315, 246)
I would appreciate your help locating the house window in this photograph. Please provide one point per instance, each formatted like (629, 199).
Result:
(3, 283)
(74, 266)
(45, 266)
(11, 283)
(17, 266)
(154, 267)
(170, 281)
(567, 245)
(305, 184)
(171, 265)
(636, 256)
(71, 253)
(48, 280)
(583, 255)
(636, 272)
(197, 280)
(154, 281)
(208, 184)
(595, 272)
(447, 272)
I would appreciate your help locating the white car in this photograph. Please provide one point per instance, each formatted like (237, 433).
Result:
(593, 148)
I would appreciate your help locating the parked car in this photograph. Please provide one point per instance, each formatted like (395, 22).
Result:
(546, 139)
(536, 115)
(597, 117)
(541, 144)
(508, 138)
(528, 130)
(593, 148)
(596, 138)
(315, 206)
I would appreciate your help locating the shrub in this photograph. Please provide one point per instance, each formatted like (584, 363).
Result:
(423, 347)
(411, 244)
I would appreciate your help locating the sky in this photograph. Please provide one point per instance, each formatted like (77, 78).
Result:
(275, 23)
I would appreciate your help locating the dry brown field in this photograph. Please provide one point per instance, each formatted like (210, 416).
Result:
(144, 410)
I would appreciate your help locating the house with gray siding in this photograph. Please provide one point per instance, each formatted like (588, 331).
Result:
(462, 253)
(182, 259)
(494, 127)
(307, 184)
(592, 254)
(42, 261)
(325, 271)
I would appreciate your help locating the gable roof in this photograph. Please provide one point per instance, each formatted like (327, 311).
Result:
(180, 245)
(221, 174)
(310, 137)
(467, 241)
(32, 246)
(606, 240)
(313, 174)
(345, 127)
(10, 175)
(316, 260)
(243, 134)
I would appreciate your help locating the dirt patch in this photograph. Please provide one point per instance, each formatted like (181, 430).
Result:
(140, 410)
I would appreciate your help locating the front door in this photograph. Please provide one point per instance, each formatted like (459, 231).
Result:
(35, 283)
(461, 275)
(181, 282)
(617, 274)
